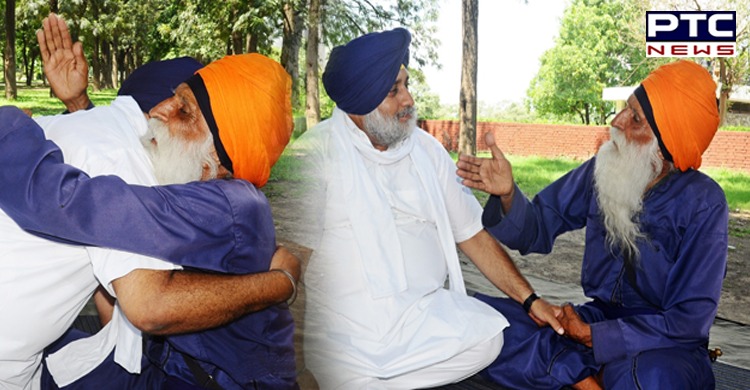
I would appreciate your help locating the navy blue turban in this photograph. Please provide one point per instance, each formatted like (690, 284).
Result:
(156, 81)
(359, 74)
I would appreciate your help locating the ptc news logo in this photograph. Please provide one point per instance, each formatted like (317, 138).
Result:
(691, 34)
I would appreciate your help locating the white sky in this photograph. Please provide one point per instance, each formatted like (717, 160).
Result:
(512, 37)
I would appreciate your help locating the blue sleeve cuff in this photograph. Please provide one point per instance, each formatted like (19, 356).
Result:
(608, 341)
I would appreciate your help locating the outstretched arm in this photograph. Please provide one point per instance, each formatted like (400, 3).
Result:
(169, 302)
(491, 175)
(216, 219)
(65, 65)
(499, 268)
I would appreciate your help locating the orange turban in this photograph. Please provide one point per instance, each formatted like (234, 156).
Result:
(679, 101)
(246, 100)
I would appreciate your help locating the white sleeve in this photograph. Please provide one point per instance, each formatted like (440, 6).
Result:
(464, 211)
(110, 264)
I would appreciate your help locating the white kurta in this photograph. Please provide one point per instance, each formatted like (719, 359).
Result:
(349, 328)
(44, 285)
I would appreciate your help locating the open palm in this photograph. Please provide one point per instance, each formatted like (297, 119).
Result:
(492, 175)
(64, 63)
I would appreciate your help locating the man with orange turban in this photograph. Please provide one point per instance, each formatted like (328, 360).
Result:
(228, 331)
(656, 246)
(379, 314)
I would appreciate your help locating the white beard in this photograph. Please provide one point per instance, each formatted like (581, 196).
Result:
(176, 160)
(623, 171)
(390, 131)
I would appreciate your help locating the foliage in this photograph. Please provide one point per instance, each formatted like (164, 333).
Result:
(426, 102)
(598, 46)
(347, 19)
(120, 35)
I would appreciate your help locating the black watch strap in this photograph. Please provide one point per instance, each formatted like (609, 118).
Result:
(527, 303)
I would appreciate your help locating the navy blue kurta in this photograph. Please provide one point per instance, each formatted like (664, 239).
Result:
(222, 226)
(678, 278)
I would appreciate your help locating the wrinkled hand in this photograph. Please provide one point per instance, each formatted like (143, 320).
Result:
(285, 260)
(492, 175)
(65, 65)
(545, 313)
(575, 328)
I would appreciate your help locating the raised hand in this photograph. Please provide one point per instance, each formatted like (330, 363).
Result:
(492, 175)
(65, 65)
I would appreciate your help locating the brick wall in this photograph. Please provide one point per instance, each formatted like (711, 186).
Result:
(729, 149)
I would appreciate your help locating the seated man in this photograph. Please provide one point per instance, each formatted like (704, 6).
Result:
(656, 246)
(105, 140)
(392, 210)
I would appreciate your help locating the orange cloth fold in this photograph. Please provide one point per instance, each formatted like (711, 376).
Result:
(250, 97)
(683, 99)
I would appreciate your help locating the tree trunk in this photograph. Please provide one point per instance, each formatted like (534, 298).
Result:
(724, 93)
(115, 64)
(106, 58)
(312, 94)
(27, 58)
(467, 139)
(238, 43)
(11, 92)
(251, 43)
(53, 7)
(96, 65)
(292, 32)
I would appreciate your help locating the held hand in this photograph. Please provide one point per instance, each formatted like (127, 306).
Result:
(575, 328)
(65, 65)
(492, 175)
(545, 313)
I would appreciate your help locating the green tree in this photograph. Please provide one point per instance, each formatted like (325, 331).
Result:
(347, 19)
(29, 15)
(599, 45)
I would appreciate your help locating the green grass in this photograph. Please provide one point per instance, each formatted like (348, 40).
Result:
(734, 128)
(736, 186)
(532, 174)
(38, 100)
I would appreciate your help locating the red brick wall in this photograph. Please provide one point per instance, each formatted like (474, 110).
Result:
(729, 149)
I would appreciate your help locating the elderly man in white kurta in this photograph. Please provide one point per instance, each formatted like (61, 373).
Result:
(379, 313)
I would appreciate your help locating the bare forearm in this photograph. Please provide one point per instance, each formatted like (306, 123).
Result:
(105, 304)
(495, 264)
(168, 302)
(81, 102)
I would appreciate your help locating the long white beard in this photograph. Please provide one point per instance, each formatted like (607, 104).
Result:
(176, 160)
(388, 131)
(623, 171)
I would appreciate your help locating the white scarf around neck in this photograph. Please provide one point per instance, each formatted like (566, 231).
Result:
(370, 213)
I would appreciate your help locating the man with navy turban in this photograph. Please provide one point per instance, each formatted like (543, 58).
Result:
(391, 209)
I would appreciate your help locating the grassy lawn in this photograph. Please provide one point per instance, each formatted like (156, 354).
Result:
(38, 100)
